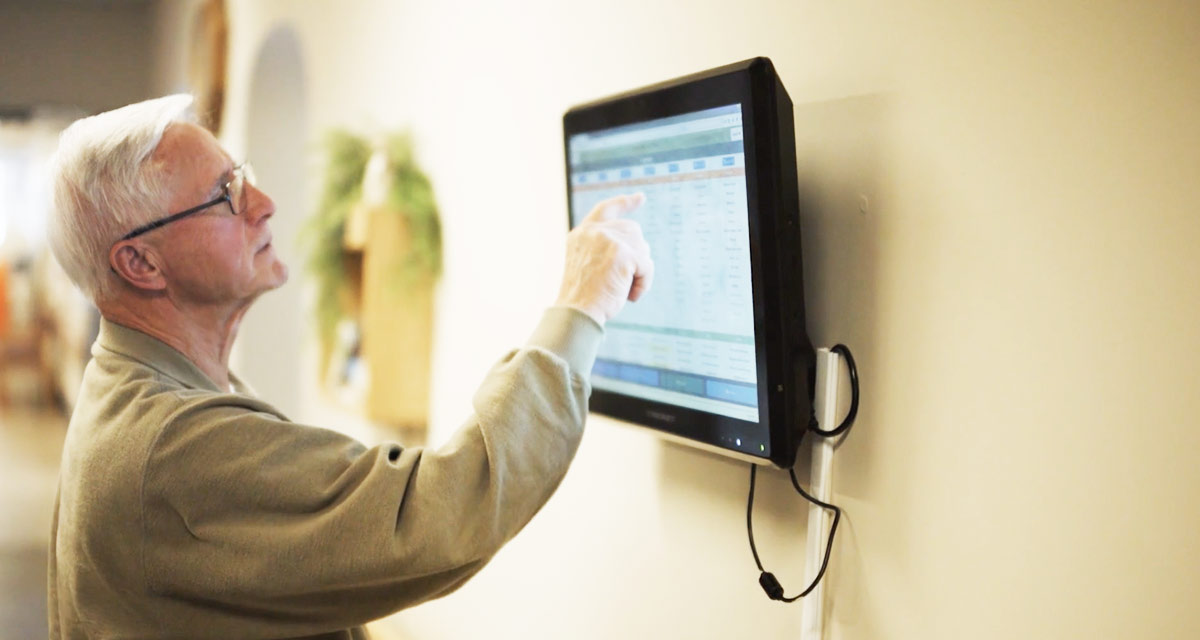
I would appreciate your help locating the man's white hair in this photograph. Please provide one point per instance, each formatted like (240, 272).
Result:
(105, 186)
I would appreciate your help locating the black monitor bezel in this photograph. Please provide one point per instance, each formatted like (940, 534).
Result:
(753, 85)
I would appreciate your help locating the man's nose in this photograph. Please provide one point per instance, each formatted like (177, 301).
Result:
(259, 206)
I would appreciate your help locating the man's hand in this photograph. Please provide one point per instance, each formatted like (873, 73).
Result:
(608, 260)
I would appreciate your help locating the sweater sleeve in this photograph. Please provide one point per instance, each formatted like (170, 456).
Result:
(290, 529)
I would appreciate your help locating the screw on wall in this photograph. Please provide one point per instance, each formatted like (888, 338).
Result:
(863, 203)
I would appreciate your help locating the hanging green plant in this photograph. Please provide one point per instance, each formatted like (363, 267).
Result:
(409, 194)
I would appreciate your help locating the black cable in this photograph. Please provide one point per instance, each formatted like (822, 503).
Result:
(843, 351)
(837, 517)
(750, 519)
(766, 579)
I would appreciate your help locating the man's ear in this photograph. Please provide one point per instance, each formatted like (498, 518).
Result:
(135, 266)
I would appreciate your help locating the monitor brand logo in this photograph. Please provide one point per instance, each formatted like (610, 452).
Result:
(659, 415)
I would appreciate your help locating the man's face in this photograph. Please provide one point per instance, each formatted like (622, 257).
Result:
(212, 257)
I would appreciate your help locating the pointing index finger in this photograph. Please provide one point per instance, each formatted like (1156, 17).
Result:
(614, 208)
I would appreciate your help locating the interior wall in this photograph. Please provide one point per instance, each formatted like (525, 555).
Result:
(94, 56)
(1019, 293)
(268, 353)
(170, 37)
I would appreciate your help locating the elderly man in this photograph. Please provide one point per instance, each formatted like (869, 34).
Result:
(188, 508)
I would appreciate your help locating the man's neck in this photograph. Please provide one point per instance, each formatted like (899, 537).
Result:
(203, 334)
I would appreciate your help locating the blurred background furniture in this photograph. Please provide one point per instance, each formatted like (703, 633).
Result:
(23, 364)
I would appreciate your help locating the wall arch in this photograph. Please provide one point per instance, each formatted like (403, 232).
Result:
(276, 134)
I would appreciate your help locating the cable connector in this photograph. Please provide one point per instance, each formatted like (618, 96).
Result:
(771, 585)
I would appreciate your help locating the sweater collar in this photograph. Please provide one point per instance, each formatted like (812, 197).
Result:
(157, 355)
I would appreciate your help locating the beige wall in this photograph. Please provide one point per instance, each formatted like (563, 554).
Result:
(1020, 295)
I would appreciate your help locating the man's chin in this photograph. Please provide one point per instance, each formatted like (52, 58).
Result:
(276, 276)
(279, 275)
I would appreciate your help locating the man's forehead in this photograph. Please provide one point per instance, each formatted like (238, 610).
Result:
(193, 161)
(186, 146)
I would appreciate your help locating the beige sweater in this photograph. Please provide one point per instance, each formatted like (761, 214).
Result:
(188, 512)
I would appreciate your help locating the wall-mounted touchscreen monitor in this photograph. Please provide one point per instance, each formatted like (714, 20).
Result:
(716, 354)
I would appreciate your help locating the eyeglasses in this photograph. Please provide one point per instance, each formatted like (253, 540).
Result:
(233, 192)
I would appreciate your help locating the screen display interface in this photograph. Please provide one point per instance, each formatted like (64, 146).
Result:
(690, 341)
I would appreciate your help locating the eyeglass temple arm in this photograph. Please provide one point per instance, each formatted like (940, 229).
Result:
(172, 218)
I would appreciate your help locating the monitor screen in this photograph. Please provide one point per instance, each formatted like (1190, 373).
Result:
(690, 341)
(715, 354)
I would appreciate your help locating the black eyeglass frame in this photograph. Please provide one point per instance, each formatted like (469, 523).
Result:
(226, 196)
